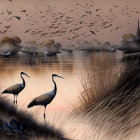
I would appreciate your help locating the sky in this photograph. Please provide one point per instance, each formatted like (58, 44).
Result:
(69, 21)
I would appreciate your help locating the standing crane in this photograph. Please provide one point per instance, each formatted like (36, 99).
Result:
(46, 98)
(16, 89)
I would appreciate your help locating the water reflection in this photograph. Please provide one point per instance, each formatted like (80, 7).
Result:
(28, 60)
(40, 69)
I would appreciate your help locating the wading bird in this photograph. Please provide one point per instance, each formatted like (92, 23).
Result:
(46, 98)
(16, 89)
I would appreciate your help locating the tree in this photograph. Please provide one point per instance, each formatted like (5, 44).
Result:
(128, 38)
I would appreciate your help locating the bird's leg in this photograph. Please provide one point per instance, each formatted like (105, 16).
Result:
(45, 115)
(14, 99)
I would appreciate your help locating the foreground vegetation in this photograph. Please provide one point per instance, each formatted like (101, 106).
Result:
(16, 125)
(110, 100)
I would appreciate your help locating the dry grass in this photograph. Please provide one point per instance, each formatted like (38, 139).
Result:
(110, 100)
(37, 130)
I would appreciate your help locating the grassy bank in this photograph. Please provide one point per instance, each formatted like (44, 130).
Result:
(29, 128)
(110, 100)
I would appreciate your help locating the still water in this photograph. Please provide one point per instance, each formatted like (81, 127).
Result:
(69, 66)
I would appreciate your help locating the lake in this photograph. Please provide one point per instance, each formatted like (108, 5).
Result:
(69, 66)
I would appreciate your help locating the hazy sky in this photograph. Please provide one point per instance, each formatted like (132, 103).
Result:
(69, 21)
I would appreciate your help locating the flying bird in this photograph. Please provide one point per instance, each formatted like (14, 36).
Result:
(92, 32)
(46, 98)
(16, 89)
(81, 22)
(89, 12)
(115, 5)
(97, 10)
(74, 37)
(24, 11)
(108, 26)
(27, 31)
(104, 23)
(117, 28)
(17, 17)
(9, 12)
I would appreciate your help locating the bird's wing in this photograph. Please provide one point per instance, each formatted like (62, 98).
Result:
(40, 100)
(43, 98)
(11, 89)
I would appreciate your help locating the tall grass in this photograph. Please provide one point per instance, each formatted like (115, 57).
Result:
(110, 99)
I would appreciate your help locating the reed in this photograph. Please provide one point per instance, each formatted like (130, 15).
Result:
(110, 99)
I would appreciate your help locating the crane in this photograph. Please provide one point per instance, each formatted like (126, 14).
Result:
(16, 89)
(46, 98)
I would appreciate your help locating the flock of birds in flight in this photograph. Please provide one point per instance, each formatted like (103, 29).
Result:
(64, 22)
(43, 99)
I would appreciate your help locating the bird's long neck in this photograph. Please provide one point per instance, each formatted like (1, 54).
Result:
(23, 83)
(55, 87)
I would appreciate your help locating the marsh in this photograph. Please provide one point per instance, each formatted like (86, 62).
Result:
(72, 89)
(70, 66)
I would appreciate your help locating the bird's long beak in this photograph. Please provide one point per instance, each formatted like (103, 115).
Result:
(27, 75)
(60, 76)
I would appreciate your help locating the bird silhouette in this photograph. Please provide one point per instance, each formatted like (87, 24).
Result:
(92, 32)
(115, 5)
(104, 23)
(17, 17)
(46, 98)
(89, 12)
(9, 12)
(24, 11)
(81, 22)
(117, 28)
(27, 31)
(16, 89)
(97, 10)
(107, 26)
